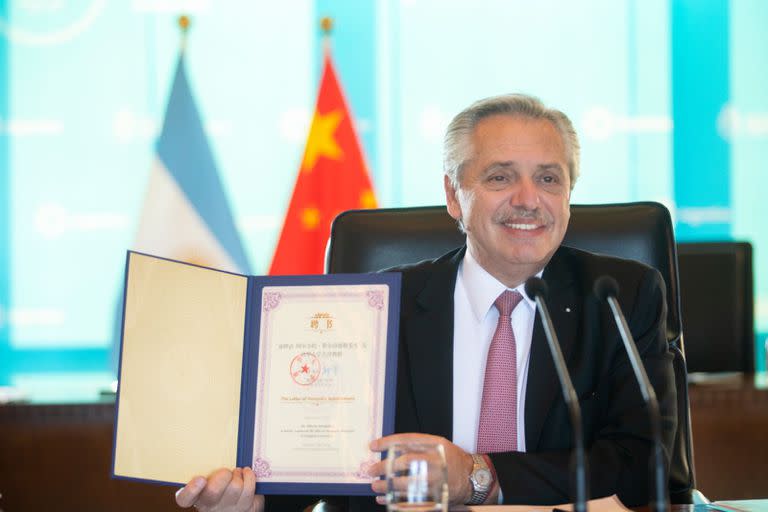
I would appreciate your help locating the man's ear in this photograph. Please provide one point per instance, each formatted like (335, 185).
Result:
(454, 208)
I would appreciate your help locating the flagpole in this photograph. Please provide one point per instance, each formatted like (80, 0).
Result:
(184, 23)
(326, 25)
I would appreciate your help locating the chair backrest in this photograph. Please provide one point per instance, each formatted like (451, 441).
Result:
(368, 240)
(716, 282)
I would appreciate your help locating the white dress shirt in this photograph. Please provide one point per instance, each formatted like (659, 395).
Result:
(474, 323)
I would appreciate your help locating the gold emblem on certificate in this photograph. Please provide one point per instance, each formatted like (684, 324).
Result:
(305, 369)
(321, 322)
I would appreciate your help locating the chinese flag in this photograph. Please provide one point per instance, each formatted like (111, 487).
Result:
(332, 178)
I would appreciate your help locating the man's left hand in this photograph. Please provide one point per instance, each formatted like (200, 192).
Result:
(458, 462)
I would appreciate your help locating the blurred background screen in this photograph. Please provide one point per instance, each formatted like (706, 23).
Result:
(670, 99)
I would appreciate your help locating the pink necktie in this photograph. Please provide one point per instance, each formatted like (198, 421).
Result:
(498, 410)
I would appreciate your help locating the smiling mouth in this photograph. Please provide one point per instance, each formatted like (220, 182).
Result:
(524, 227)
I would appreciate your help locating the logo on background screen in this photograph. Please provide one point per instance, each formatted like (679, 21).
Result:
(49, 22)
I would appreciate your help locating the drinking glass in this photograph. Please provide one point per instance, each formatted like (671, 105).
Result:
(417, 478)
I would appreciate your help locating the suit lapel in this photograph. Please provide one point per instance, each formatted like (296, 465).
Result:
(543, 387)
(429, 342)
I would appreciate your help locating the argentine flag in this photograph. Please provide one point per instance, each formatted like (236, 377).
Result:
(186, 215)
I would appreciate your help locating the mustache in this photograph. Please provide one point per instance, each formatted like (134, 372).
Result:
(514, 214)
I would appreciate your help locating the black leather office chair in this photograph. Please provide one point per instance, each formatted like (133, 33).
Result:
(368, 240)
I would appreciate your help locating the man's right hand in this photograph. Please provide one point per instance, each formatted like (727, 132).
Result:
(223, 491)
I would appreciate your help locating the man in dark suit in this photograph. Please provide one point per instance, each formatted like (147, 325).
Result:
(474, 370)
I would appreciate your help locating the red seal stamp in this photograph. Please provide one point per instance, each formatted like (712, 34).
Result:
(305, 369)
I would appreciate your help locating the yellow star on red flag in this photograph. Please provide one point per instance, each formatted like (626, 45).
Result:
(321, 140)
(310, 218)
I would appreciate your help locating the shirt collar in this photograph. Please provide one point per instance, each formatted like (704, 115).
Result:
(483, 289)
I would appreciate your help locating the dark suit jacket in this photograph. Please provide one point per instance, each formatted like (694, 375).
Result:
(615, 422)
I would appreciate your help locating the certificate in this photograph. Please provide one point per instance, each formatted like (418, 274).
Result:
(321, 373)
(291, 375)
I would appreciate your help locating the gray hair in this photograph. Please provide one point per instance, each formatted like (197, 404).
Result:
(456, 141)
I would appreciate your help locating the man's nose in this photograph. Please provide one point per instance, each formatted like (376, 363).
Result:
(527, 194)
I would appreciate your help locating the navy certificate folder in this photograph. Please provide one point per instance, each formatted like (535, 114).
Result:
(290, 375)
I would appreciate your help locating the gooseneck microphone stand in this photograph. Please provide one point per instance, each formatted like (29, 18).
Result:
(607, 289)
(537, 289)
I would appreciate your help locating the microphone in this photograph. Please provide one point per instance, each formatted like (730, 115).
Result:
(536, 288)
(606, 289)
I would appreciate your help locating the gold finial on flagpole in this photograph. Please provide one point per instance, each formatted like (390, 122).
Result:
(184, 23)
(326, 24)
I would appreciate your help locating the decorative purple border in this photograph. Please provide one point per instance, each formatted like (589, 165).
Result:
(375, 299)
(271, 300)
(261, 468)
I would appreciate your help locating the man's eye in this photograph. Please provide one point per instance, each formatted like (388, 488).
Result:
(549, 179)
(497, 178)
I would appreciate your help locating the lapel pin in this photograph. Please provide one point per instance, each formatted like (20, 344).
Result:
(567, 310)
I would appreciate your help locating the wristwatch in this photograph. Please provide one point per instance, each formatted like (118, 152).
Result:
(481, 479)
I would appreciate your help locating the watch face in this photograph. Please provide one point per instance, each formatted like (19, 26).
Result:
(483, 477)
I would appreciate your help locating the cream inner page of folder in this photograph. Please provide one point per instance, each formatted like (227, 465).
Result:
(179, 395)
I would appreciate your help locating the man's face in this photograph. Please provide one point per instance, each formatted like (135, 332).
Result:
(513, 195)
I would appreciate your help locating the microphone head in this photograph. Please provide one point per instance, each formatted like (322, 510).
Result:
(536, 287)
(605, 287)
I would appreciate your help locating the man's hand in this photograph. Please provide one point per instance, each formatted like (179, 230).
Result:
(223, 491)
(458, 462)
